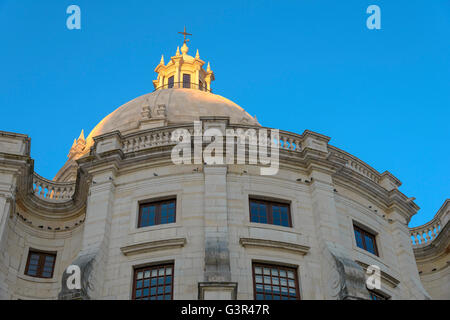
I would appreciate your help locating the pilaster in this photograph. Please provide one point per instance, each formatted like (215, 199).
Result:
(342, 278)
(410, 281)
(217, 283)
(93, 256)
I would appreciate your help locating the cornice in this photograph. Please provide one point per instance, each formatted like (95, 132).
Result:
(51, 210)
(276, 245)
(150, 246)
(439, 246)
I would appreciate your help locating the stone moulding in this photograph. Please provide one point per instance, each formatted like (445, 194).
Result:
(393, 282)
(230, 287)
(144, 247)
(277, 245)
(424, 235)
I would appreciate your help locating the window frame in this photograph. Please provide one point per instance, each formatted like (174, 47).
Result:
(187, 84)
(41, 262)
(170, 82)
(364, 232)
(270, 204)
(152, 267)
(158, 203)
(278, 267)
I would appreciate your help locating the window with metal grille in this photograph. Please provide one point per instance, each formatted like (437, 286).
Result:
(171, 82)
(365, 240)
(273, 282)
(157, 212)
(153, 283)
(186, 80)
(269, 212)
(40, 264)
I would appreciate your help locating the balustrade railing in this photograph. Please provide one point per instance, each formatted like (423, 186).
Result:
(425, 234)
(160, 137)
(51, 190)
(286, 140)
(356, 164)
(184, 85)
(153, 138)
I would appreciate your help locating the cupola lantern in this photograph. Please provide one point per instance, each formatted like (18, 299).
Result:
(183, 71)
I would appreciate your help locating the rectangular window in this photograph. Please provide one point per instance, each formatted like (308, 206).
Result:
(365, 240)
(170, 82)
(40, 264)
(272, 282)
(186, 80)
(269, 212)
(153, 283)
(158, 212)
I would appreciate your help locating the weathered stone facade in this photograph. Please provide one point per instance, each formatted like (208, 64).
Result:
(89, 214)
(432, 251)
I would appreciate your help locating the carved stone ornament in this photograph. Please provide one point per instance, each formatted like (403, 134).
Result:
(346, 279)
(146, 112)
(86, 265)
(159, 111)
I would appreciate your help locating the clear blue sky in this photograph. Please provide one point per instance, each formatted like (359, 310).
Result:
(382, 95)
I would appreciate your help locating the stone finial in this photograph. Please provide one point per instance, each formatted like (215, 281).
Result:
(77, 146)
(184, 48)
(197, 55)
(208, 69)
(81, 137)
(162, 60)
(178, 51)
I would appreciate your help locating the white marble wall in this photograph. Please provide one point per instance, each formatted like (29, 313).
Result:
(319, 215)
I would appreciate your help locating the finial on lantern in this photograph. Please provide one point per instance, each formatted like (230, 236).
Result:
(185, 34)
(184, 48)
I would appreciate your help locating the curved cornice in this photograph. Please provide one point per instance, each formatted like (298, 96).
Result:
(308, 151)
(49, 209)
(427, 233)
(439, 246)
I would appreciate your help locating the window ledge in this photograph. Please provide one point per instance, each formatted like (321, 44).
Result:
(153, 246)
(272, 227)
(368, 253)
(393, 282)
(278, 245)
(154, 228)
(36, 279)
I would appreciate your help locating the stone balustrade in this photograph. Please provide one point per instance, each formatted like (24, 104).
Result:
(423, 235)
(290, 141)
(356, 165)
(52, 191)
(287, 141)
(149, 139)
(162, 137)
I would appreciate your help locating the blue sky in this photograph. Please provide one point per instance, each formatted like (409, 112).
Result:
(381, 95)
